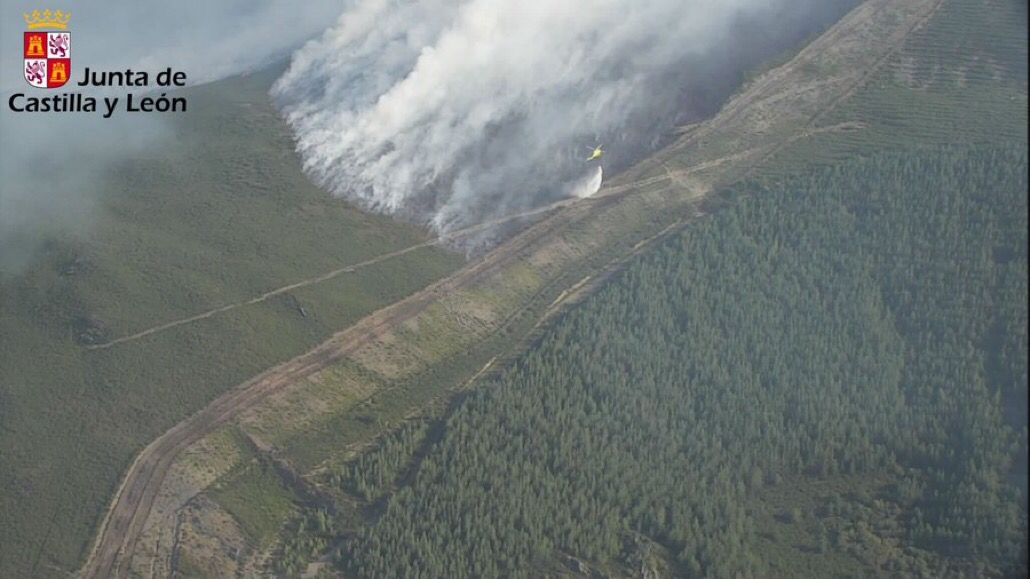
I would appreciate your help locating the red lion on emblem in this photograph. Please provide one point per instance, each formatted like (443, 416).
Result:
(34, 72)
(59, 44)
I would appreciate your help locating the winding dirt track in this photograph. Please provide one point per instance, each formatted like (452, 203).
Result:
(457, 234)
(124, 522)
(447, 237)
(132, 504)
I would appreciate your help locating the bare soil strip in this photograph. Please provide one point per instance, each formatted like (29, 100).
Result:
(132, 503)
(125, 520)
(442, 239)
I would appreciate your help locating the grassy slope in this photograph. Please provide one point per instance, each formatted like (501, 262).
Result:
(328, 437)
(257, 500)
(219, 213)
(961, 78)
(358, 419)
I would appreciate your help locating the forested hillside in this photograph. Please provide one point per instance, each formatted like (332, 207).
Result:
(824, 379)
(215, 214)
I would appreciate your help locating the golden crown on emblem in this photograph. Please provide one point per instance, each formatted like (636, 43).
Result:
(47, 19)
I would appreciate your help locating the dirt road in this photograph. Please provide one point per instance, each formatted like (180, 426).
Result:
(132, 504)
(448, 237)
(605, 193)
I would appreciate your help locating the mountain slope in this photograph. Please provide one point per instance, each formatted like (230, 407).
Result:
(859, 328)
(219, 213)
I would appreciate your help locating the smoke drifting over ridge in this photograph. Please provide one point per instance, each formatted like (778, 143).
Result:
(54, 167)
(451, 111)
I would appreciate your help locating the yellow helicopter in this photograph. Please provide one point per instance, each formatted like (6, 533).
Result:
(598, 151)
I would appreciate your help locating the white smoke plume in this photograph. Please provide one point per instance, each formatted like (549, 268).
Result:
(448, 111)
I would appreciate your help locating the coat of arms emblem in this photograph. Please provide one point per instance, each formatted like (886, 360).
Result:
(47, 54)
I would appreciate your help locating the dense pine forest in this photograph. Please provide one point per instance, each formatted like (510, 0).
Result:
(827, 377)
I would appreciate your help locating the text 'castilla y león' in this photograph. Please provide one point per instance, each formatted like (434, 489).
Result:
(77, 102)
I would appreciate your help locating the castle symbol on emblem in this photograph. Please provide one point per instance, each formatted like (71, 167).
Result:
(47, 55)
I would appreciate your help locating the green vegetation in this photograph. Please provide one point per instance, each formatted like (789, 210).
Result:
(824, 379)
(257, 500)
(218, 214)
(859, 331)
(828, 378)
(371, 475)
(306, 537)
(420, 381)
(962, 77)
